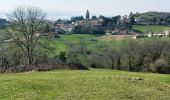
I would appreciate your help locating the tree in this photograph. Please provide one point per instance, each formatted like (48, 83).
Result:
(132, 19)
(111, 56)
(87, 28)
(130, 52)
(47, 28)
(167, 19)
(94, 17)
(77, 18)
(102, 17)
(25, 28)
(59, 21)
(154, 20)
(131, 14)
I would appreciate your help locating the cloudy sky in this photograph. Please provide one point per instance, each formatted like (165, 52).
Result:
(67, 8)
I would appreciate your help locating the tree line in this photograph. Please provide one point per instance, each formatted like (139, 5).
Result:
(138, 56)
(153, 18)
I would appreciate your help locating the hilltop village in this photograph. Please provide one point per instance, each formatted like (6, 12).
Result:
(117, 25)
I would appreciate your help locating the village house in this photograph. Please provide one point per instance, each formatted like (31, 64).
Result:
(96, 23)
(161, 34)
(64, 27)
(167, 33)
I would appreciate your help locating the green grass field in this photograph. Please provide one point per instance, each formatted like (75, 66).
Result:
(94, 84)
(148, 28)
(92, 42)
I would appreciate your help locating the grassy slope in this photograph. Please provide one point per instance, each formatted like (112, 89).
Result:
(92, 42)
(97, 42)
(147, 28)
(86, 85)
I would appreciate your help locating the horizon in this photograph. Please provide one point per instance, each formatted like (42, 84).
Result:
(57, 9)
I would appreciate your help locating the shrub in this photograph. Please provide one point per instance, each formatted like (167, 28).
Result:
(161, 66)
(77, 66)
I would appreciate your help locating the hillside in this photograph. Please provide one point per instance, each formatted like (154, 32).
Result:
(158, 18)
(86, 85)
(151, 28)
(93, 42)
(152, 14)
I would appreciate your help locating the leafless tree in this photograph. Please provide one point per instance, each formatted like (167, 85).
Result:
(25, 28)
(111, 56)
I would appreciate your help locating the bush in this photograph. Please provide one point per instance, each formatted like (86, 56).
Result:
(61, 32)
(96, 60)
(77, 66)
(161, 66)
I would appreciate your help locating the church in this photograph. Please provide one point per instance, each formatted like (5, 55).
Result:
(87, 15)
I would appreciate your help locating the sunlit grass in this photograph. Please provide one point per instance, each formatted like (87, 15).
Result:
(88, 85)
(151, 28)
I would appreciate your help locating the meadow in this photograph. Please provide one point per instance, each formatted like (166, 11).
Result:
(151, 28)
(95, 84)
(92, 42)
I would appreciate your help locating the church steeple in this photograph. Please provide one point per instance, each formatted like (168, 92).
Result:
(87, 15)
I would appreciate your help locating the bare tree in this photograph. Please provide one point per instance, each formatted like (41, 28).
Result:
(111, 56)
(130, 52)
(25, 28)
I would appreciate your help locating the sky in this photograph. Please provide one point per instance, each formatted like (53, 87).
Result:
(64, 9)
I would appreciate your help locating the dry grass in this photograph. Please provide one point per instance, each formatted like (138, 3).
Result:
(116, 37)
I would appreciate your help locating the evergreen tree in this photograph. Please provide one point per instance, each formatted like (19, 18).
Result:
(132, 19)
(47, 28)
(94, 17)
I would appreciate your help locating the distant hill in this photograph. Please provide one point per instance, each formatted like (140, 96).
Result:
(159, 18)
(150, 28)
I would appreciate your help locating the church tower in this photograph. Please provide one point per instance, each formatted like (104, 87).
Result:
(87, 15)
